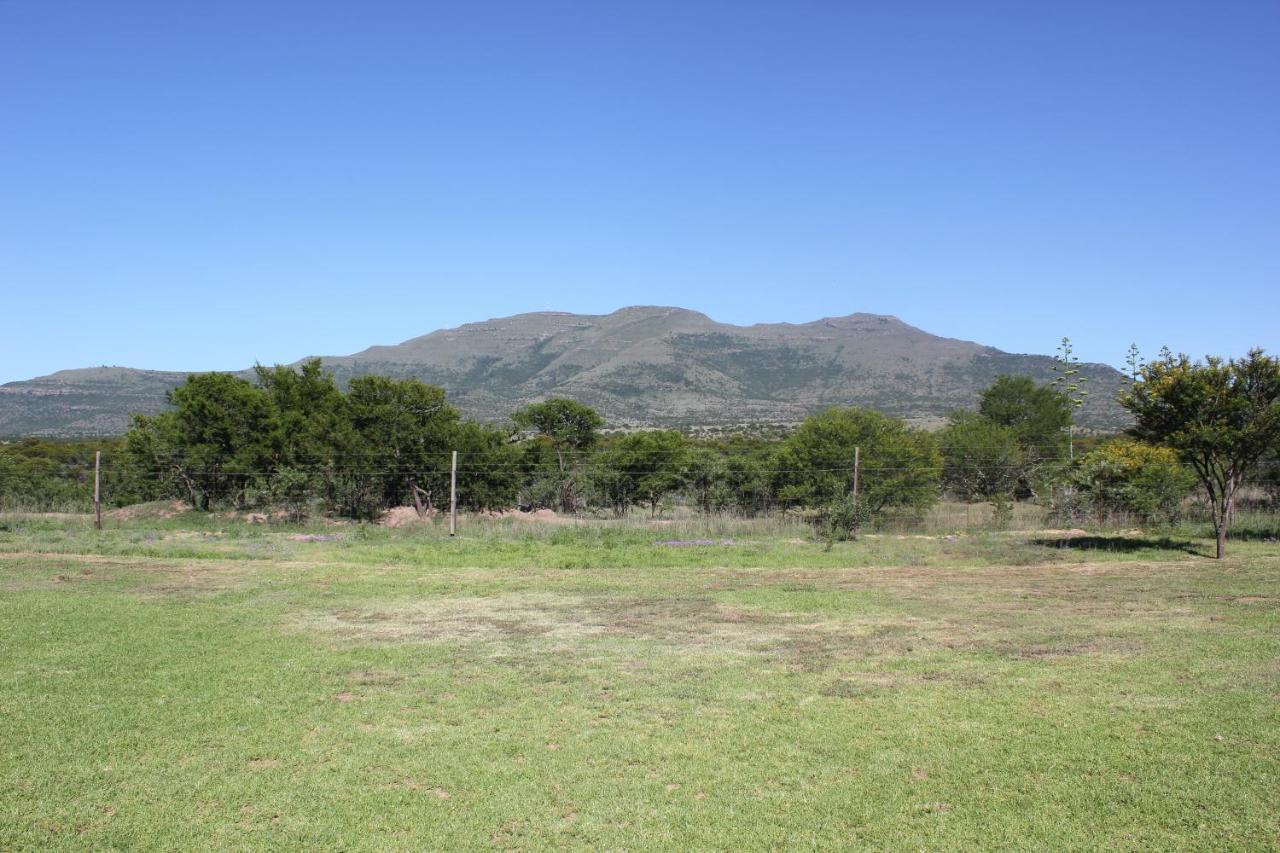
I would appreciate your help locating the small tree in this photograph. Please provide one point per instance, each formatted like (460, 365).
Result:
(1220, 417)
(487, 466)
(567, 429)
(643, 467)
(705, 480)
(900, 466)
(842, 519)
(982, 461)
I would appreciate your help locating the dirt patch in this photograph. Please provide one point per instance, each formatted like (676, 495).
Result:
(169, 577)
(404, 516)
(537, 516)
(154, 509)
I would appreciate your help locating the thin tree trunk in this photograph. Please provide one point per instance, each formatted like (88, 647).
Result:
(417, 501)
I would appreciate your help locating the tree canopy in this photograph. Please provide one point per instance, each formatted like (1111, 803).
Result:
(900, 466)
(1219, 416)
(1037, 414)
(982, 460)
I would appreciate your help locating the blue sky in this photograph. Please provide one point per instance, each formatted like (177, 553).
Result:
(207, 185)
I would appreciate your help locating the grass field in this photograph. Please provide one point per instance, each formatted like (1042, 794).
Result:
(198, 683)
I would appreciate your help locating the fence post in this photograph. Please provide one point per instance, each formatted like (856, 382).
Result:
(97, 489)
(856, 453)
(453, 495)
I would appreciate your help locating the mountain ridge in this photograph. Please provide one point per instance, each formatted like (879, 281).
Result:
(639, 365)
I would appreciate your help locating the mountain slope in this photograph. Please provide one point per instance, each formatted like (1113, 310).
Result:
(639, 366)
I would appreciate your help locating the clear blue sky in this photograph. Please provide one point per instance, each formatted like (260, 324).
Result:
(205, 185)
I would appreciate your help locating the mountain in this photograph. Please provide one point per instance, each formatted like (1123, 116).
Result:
(640, 366)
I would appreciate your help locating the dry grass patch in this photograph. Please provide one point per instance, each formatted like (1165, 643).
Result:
(686, 622)
(162, 577)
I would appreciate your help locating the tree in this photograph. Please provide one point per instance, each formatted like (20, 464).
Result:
(900, 466)
(567, 429)
(568, 426)
(487, 466)
(1219, 416)
(1126, 476)
(706, 479)
(313, 427)
(641, 467)
(215, 442)
(1038, 415)
(310, 412)
(982, 461)
(400, 433)
(748, 480)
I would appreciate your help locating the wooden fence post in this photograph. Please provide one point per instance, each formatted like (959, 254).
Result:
(857, 451)
(453, 495)
(97, 489)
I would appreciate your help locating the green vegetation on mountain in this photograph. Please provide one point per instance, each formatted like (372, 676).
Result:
(643, 366)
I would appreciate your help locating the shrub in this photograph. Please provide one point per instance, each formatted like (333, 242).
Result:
(840, 520)
(1126, 476)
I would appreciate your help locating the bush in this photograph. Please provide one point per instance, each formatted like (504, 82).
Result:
(841, 519)
(1128, 477)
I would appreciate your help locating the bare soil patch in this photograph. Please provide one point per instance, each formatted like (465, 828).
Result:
(153, 509)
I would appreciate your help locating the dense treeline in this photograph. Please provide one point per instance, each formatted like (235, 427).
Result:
(293, 440)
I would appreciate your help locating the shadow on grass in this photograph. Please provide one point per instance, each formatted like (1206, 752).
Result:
(1120, 544)
(1254, 534)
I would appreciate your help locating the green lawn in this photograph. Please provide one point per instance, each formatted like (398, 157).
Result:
(198, 683)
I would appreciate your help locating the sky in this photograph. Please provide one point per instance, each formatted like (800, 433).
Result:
(207, 185)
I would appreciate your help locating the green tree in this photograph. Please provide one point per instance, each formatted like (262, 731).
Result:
(1219, 416)
(311, 413)
(57, 474)
(218, 438)
(568, 426)
(566, 430)
(151, 450)
(488, 474)
(706, 474)
(400, 443)
(313, 427)
(1037, 414)
(749, 481)
(982, 461)
(900, 467)
(1126, 476)
(642, 467)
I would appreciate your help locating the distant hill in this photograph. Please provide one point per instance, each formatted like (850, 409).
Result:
(641, 366)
